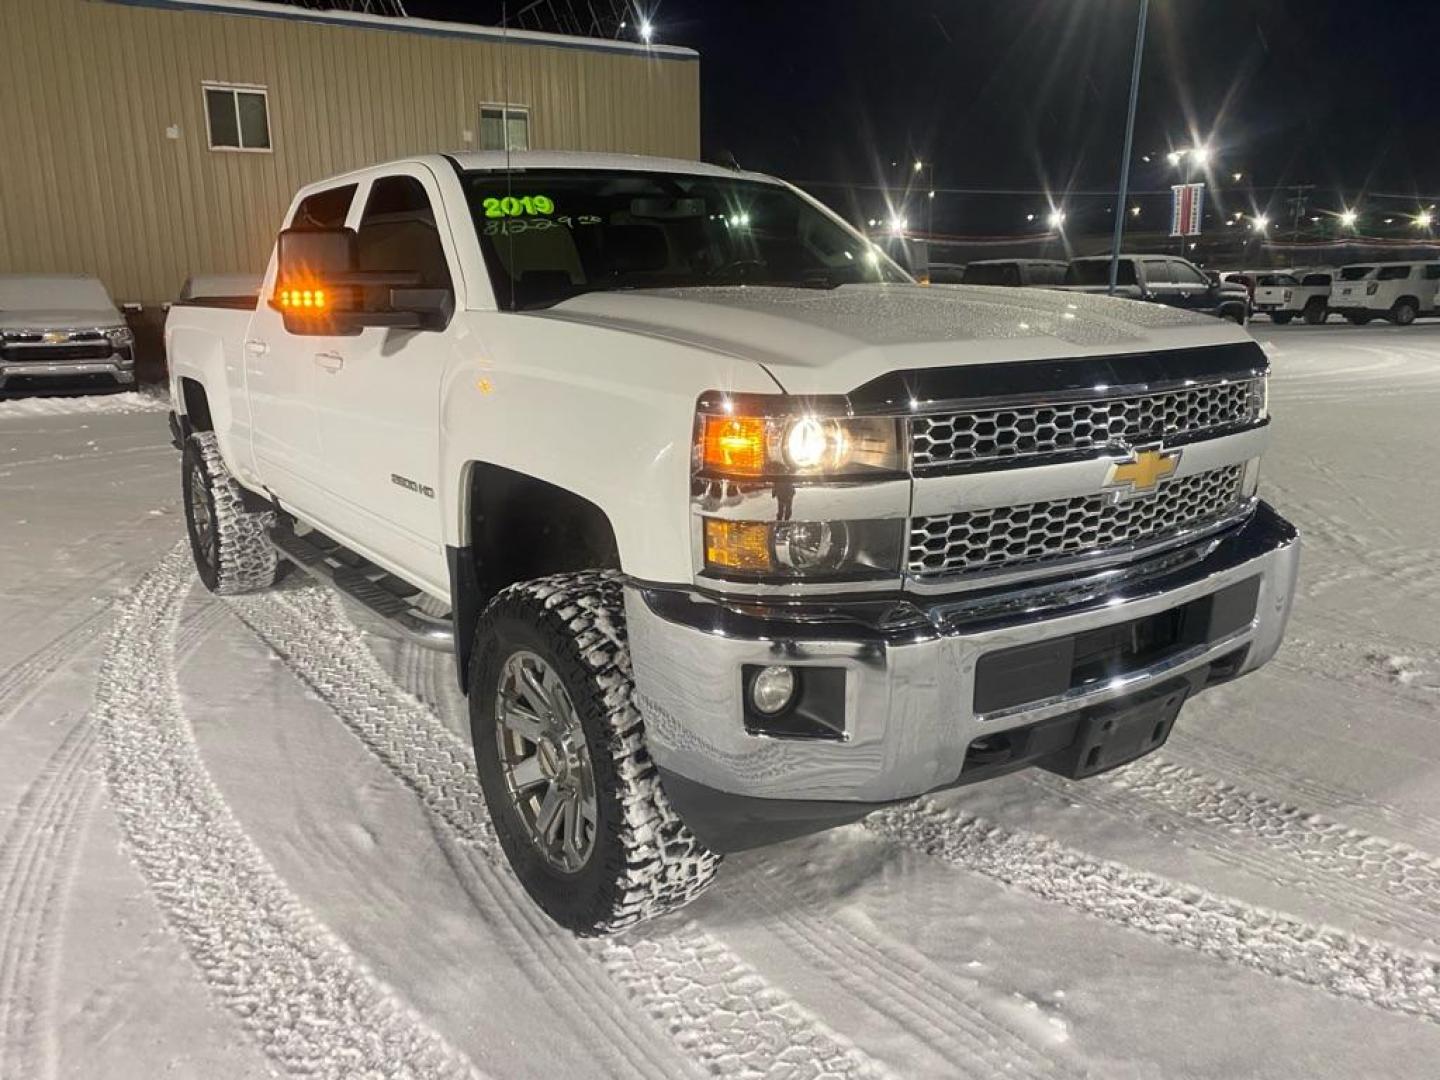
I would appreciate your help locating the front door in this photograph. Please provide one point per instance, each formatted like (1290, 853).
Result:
(1193, 289)
(378, 394)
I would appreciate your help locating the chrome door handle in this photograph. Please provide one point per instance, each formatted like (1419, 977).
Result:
(330, 361)
(256, 348)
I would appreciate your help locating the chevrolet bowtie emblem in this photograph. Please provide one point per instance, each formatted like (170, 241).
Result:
(1142, 473)
(54, 337)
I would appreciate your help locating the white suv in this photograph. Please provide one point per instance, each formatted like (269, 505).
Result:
(1398, 291)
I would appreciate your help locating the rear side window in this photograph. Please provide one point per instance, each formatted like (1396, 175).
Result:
(325, 209)
(1315, 279)
(993, 274)
(398, 233)
(1393, 273)
(1355, 273)
(1432, 272)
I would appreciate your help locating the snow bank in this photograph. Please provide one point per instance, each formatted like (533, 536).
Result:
(132, 401)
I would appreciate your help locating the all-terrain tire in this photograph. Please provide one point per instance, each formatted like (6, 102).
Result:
(644, 861)
(236, 555)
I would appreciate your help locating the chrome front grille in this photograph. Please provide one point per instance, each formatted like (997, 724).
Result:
(1012, 536)
(987, 434)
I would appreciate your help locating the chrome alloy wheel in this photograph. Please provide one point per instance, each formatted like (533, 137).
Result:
(200, 516)
(545, 761)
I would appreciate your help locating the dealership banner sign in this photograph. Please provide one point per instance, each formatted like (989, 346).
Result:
(1186, 203)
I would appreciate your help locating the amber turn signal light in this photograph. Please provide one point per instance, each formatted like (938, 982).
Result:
(301, 300)
(734, 445)
(737, 545)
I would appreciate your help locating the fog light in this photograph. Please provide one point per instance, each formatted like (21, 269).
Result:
(809, 545)
(773, 689)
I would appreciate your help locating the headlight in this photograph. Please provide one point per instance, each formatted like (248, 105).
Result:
(120, 336)
(805, 445)
(803, 549)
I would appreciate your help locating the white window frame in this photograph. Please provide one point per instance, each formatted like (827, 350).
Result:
(236, 89)
(507, 109)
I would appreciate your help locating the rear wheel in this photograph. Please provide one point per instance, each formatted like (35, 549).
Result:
(560, 748)
(1315, 312)
(1281, 319)
(1403, 313)
(232, 550)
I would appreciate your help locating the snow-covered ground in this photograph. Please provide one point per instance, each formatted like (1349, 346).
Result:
(243, 839)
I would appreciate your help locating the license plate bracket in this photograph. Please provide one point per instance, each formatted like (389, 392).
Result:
(1115, 734)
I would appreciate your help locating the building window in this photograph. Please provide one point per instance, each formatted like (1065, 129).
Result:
(237, 117)
(504, 127)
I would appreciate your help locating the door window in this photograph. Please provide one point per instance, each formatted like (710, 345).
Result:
(1393, 273)
(1185, 274)
(324, 209)
(1157, 272)
(398, 235)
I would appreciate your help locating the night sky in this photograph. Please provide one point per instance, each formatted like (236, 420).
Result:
(1030, 95)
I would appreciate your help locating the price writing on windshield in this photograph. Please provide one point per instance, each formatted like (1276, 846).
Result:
(519, 206)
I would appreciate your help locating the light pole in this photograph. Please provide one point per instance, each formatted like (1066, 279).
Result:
(1129, 144)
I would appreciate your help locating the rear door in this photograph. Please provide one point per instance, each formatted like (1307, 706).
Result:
(378, 392)
(280, 377)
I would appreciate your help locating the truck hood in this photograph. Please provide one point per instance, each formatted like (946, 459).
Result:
(58, 318)
(831, 341)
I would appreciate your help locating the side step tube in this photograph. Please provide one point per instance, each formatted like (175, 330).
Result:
(327, 561)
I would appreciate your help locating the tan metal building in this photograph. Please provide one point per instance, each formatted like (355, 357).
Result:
(146, 140)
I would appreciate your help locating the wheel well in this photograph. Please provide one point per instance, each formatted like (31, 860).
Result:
(519, 528)
(1413, 301)
(197, 406)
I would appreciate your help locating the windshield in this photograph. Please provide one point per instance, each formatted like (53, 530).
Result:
(1278, 279)
(1097, 272)
(1354, 273)
(550, 235)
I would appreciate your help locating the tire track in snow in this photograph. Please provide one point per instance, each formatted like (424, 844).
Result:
(1344, 964)
(37, 862)
(716, 1009)
(1379, 879)
(35, 668)
(1215, 756)
(310, 1003)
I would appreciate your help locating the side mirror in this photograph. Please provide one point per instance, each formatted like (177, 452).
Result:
(320, 291)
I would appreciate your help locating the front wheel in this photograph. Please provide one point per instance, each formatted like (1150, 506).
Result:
(1280, 320)
(560, 747)
(232, 549)
(1403, 313)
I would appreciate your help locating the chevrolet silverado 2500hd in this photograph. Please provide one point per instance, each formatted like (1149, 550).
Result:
(742, 533)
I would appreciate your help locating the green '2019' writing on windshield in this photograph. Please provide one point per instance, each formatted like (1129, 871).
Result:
(519, 206)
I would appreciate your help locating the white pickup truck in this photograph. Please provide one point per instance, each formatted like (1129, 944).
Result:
(742, 532)
(62, 332)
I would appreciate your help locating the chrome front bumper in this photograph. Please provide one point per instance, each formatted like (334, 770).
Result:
(119, 366)
(909, 713)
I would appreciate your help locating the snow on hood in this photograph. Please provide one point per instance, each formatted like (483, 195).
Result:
(57, 301)
(816, 342)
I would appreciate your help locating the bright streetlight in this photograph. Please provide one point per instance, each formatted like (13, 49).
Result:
(919, 166)
(647, 30)
(1260, 223)
(1423, 219)
(1348, 218)
(1200, 155)
(1056, 219)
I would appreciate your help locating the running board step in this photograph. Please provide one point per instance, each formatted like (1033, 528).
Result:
(367, 584)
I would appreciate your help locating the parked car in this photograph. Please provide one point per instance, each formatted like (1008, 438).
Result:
(743, 533)
(62, 332)
(1161, 279)
(1286, 294)
(1016, 273)
(1397, 291)
(946, 273)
